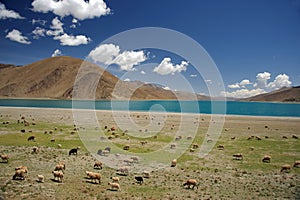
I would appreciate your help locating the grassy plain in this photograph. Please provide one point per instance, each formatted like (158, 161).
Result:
(218, 174)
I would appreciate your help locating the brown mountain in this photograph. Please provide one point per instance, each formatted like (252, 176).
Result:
(63, 77)
(285, 94)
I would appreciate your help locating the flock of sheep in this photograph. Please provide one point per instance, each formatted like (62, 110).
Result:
(95, 177)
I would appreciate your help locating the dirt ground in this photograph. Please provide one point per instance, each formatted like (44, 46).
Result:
(218, 174)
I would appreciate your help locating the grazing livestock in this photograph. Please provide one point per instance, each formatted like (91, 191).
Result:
(23, 168)
(126, 147)
(146, 174)
(285, 168)
(58, 175)
(178, 138)
(221, 147)
(135, 159)
(285, 137)
(192, 150)
(139, 179)
(35, 149)
(238, 156)
(40, 178)
(31, 138)
(174, 163)
(294, 136)
(297, 163)
(60, 167)
(195, 146)
(19, 175)
(94, 176)
(258, 138)
(191, 182)
(107, 149)
(124, 170)
(114, 186)
(74, 151)
(267, 159)
(4, 158)
(173, 146)
(98, 165)
(115, 179)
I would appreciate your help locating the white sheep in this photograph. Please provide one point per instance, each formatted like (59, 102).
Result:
(267, 158)
(135, 159)
(146, 174)
(35, 149)
(40, 178)
(174, 163)
(114, 186)
(129, 162)
(58, 175)
(124, 170)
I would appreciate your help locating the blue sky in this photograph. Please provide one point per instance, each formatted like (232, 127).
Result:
(254, 44)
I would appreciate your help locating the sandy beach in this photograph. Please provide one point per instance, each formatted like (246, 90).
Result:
(218, 174)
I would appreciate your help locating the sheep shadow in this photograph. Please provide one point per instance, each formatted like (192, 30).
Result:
(113, 190)
(55, 180)
(90, 181)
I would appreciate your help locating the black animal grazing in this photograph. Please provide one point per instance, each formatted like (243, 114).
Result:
(73, 151)
(139, 179)
(107, 149)
(31, 138)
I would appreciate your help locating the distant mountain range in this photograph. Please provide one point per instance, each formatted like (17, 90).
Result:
(285, 94)
(55, 77)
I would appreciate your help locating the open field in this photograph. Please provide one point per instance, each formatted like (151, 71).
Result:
(218, 174)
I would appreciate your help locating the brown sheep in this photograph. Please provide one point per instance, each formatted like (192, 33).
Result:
(98, 165)
(114, 186)
(191, 182)
(4, 158)
(267, 159)
(60, 167)
(19, 175)
(285, 168)
(94, 176)
(115, 179)
(297, 163)
(23, 168)
(58, 175)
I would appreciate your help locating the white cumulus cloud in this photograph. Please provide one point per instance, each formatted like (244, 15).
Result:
(262, 79)
(143, 72)
(70, 40)
(245, 82)
(281, 80)
(234, 86)
(243, 93)
(128, 59)
(38, 32)
(56, 52)
(16, 35)
(79, 9)
(5, 13)
(105, 53)
(167, 67)
(111, 54)
(56, 26)
(38, 21)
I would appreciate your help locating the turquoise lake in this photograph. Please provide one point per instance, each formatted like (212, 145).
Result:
(205, 107)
